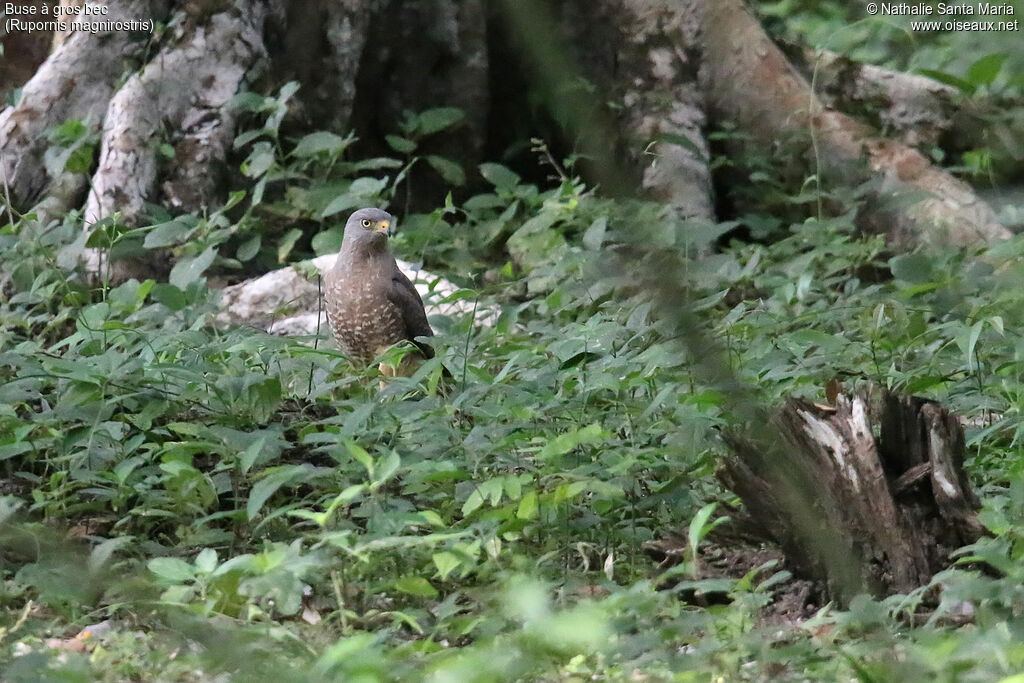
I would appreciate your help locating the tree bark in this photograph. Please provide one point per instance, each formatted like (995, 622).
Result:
(749, 80)
(184, 91)
(856, 514)
(664, 116)
(633, 83)
(915, 109)
(75, 82)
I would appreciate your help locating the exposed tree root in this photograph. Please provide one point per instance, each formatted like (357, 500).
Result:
(184, 90)
(75, 82)
(748, 80)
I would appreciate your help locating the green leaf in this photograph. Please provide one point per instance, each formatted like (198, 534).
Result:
(287, 90)
(435, 120)
(251, 102)
(249, 248)
(287, 243)
(416, 585)
(915, 268)
(490, 489)
(168, 234)
(593, 238)
(386, 468)
(400, 144)
(171, 569)
(275, 478)
(264, 395)
(188, 270)
(967, 340)
(102, 553)
(446, 562)
(80, 159)
(367, 186)
(449, 170)
(474, 501)
(170, 296)
(528, 506)
(206, 561)
(259, 161)
(328, 241)
(247, 458)
(563, 443)
(361, 456)
(682, 141)
(948, 79)
(499, 176)
(346, 496)
(363, 191)
(105, 233)
(985, 70)
(319, 142)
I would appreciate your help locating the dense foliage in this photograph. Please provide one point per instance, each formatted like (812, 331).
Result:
(236, 502)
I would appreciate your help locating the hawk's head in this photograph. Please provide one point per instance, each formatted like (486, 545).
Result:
(368, 227)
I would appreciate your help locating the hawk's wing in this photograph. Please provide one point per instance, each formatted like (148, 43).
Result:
(404, 296)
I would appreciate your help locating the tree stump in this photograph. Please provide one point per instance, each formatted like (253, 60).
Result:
(856, 512)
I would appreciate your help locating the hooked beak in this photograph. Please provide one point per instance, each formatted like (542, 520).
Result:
(385, 227)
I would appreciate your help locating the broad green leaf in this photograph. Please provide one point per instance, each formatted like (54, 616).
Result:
(188, 270)
(435, 120)
(248, 457)
(102, 553)
(318, 143)
(593, 238)
(259, 161)
(563, 443)
(168, 234)
(80, 160)
(361, 456)
(171, 569)
(170, 296)
(275, 478)
(206, 561)
(264, 395)
(916, 267)
(446, 562)
(449, 170)
(328, 241)
(528, 507)
(499, 176)
(400, 144)
(416, 585)
(249, 248)
(985, 70)
(287, 243)
(949, 79)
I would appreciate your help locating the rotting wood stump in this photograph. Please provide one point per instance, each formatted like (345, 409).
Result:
(856, 512)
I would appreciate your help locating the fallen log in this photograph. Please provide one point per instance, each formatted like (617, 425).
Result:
(856, 512)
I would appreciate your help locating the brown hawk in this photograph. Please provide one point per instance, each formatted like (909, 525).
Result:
(370, 303)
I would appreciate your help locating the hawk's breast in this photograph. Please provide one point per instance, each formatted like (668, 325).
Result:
(361, 317)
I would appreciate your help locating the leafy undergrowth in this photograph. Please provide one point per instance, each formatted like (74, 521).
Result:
(181, 500)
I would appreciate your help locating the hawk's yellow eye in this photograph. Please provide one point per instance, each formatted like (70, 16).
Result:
(366, 222)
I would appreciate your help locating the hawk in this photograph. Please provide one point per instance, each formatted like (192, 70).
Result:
(370, 303)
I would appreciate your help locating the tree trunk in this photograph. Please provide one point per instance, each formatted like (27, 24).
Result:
(75, 82)
(856, 513)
